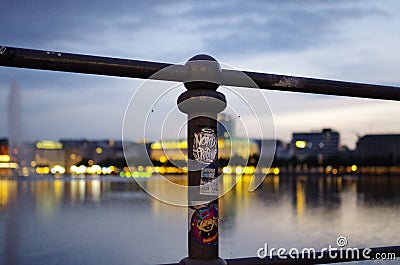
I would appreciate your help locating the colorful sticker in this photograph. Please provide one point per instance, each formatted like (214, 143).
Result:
(204, 224)
(205, 145)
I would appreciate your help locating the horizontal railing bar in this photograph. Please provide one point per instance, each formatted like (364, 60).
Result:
(326, 258)
(87, 64)
(315, 86)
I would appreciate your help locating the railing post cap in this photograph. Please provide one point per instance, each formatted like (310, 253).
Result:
(204, 72)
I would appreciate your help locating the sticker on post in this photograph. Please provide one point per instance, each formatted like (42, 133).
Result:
(205, 145)
(208, 182)
(204, 224)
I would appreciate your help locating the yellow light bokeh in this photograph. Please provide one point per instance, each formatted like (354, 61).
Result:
(301, 144)
(163, 159)
(50, 145)
(4, 158)
(42, 170)
(169, 145)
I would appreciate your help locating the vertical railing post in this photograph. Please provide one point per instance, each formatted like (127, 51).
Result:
(202, 103)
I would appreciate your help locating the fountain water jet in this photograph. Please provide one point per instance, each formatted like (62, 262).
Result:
(14, 123)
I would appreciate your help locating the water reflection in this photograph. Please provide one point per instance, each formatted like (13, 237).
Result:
(53, 220)
(8, 192)
(305, 192)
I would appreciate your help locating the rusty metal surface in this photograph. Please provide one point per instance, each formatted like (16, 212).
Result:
(325, 87)
(86, 64)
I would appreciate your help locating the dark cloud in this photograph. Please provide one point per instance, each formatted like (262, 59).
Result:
(278, 27)
(101, 26)
(40, 24)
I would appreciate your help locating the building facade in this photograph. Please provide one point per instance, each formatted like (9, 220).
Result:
(321, 144)
(379, 146)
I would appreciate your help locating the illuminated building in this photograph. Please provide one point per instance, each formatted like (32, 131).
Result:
(315, 144)
(85, 151)
(176, 151)
(48, 155)
(173, 153)
(7, 165)
(238, 150)
(75, 152)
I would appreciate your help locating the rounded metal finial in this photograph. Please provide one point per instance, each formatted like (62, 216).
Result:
(204, 72)
(202, 57)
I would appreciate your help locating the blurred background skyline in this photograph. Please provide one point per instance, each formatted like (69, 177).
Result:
(342, 40)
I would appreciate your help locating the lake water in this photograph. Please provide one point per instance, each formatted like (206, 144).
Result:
(112, 221)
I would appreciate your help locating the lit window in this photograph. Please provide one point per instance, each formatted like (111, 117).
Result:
(301, 144)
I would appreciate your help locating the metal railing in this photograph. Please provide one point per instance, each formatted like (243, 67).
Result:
(85, 64)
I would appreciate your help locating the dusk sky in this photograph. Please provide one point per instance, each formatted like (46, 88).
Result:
(342, 40)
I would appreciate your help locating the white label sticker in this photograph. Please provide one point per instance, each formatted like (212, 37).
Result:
(208, 183)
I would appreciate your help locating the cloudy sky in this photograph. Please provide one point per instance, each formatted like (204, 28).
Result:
(342, 40)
